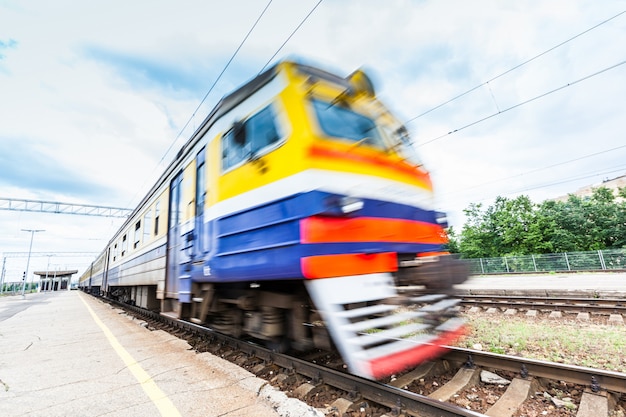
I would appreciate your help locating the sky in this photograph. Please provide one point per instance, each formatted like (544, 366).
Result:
(501, 98)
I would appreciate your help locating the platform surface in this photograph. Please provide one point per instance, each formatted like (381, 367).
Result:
(69, 354)
(590, 282)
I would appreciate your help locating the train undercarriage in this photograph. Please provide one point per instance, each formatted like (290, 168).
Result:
(379, 323)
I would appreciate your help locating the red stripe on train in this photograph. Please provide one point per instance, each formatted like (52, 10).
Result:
(345, 264)
(400, 361)
(369, 229)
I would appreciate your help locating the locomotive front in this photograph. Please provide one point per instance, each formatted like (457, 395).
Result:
(391, 239)
(323, 187)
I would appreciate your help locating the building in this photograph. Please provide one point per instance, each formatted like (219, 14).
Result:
(612, 184)
(55, 280)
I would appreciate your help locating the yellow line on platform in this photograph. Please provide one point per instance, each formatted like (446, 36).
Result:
(158, 397)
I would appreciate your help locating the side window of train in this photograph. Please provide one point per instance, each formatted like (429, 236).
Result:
(124, 245)
(157, 212)
(250, 138)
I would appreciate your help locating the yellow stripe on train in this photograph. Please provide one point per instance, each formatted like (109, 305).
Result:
(304, 146)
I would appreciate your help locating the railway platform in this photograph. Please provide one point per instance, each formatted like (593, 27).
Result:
(579, 284)
(69, 354)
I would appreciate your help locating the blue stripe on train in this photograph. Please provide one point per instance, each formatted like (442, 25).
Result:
(284, 262)
(263, 242)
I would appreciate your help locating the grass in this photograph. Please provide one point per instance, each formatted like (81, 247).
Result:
(591, 344)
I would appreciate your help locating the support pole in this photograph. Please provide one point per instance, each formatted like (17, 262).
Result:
(32, 234)
(4, 262)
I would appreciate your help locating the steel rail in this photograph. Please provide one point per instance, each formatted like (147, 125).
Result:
(594, 378)
(397, 399)
(547, 299)
(604, 305)
(357, 388)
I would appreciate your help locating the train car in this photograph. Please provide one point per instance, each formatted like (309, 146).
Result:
(295, 214)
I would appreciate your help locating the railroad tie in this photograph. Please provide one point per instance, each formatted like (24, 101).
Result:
(464, 377)
(515, 395)
(342, 405)
(593, 405)
(304, 390)
(419, 372)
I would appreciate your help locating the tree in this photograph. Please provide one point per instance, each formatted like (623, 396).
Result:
(520, 227)
(453, 241)
(476, 240)
(550, 220)
(620, 221)
(591, 223)
(508, 227)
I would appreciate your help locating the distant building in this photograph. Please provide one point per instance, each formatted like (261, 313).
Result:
(55, 280)
(612, 184)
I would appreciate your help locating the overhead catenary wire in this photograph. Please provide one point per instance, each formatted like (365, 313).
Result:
(580, 158)
(524, 102)
(617, 169)
(169, 148)
(231, 60)
(226, 67)
(217, 79)
(544, 185)
(515, 67)
(290, 36)
(612, 170)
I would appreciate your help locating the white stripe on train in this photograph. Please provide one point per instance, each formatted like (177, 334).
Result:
(349, 184)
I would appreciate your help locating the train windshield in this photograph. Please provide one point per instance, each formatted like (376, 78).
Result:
(343, 123)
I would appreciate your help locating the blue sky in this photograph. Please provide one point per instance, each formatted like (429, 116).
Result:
(93, 94)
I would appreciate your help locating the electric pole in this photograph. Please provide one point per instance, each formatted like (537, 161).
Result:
(32, 234)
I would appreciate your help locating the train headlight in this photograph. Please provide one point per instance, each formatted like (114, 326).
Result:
(442, 219)
(351, 204)
(341, 205)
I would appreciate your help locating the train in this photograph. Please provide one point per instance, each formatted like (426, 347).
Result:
(299, 215)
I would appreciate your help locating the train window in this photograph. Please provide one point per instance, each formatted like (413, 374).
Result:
(137, 236)
(261, 129)
(232, 153)
(124, 245)
(147, 225)
(200, 187)
(251, 138)
(178, 205)
(114, 251)
(157, 211)
(343, 123)
(201, 193)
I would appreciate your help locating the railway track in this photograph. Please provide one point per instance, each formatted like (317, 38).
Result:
(450, 386)
(595, 306)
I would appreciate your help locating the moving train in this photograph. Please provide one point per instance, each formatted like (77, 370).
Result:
(297, 214)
